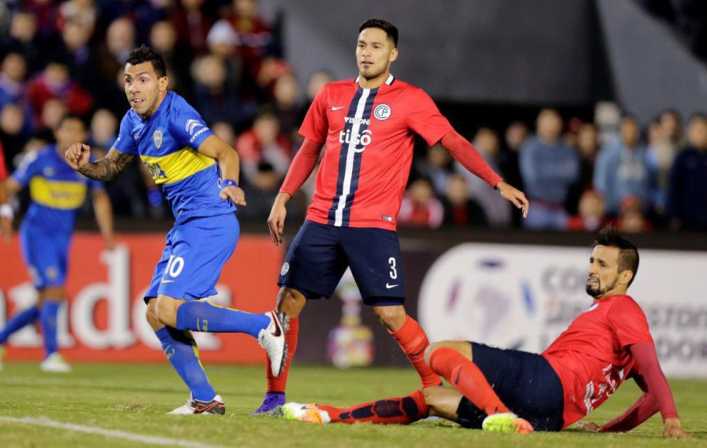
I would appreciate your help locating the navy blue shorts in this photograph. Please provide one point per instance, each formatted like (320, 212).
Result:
(525, 382)
(320, 254)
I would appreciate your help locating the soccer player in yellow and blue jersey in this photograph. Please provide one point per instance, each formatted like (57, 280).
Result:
(198, 174)
(56, 192)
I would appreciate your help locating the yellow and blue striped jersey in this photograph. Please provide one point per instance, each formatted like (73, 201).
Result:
(167, 143)
(56, 190)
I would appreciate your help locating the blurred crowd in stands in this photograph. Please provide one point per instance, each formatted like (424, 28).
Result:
(66, 57)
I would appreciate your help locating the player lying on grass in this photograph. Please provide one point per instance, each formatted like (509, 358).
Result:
(516, 391)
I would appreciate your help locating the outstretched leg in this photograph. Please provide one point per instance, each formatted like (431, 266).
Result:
(200, 315)
(389, 411)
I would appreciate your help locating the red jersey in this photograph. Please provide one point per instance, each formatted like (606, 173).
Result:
(368, 144)
(592, 357)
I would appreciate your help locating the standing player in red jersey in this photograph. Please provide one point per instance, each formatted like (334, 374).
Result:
(366, 127)
(516, 391)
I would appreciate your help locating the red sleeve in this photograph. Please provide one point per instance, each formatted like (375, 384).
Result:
(425, 119)
(463, 151)
(642, 410)
(648, 367)
(629, 322)
(657, 397)
(301, 166)
(315, 124)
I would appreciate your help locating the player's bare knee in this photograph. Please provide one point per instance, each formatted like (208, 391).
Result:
(392, 317)
(290, 301)
(166, 310)
(155, 324)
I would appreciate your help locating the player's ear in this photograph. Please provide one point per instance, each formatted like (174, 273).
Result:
(163, 83)
(626, 276)
(393, 55)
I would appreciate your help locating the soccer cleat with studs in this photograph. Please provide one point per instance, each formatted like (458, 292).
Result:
(194, 407)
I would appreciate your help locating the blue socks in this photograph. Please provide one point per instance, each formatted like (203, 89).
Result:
(182, 352)
(200, 315)
(47, 320)
(25, 317)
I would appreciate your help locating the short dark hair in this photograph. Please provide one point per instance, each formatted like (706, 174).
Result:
(144, 53)
(71, 116)
(390, 29)
(628, 253)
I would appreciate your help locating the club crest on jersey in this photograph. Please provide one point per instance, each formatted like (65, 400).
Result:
(382, 112)
(157, 138)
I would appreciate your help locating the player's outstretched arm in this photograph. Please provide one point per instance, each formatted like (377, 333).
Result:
(104, 216)
(229, 167)
(465, 153)
(657, 397)
(78, 156)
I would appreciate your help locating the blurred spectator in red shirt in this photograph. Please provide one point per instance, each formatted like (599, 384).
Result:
(264, 143)
(54, 82)
(420, 208)
(591, 215)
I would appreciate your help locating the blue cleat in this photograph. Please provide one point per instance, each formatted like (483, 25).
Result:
(271, 402)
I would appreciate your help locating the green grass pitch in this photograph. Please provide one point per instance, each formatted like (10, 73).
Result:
(134, 399)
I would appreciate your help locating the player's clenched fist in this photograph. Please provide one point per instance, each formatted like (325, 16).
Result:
(77, 155)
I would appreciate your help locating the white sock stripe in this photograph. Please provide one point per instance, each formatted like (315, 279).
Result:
(109, 433)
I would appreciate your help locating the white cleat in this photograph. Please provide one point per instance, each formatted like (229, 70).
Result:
(272, 339)
(194, 407)
(54, 363)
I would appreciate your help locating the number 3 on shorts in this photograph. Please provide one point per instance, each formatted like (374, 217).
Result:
(393, 270)
(175, 266)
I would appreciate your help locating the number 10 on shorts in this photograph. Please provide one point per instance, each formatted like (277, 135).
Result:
(175, 266)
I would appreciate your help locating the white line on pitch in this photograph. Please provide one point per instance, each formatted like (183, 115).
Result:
(110, 433)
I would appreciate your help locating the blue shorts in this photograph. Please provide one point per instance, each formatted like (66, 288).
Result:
(45, 255)
(193, 257)
(320, 254)
(525, 382)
